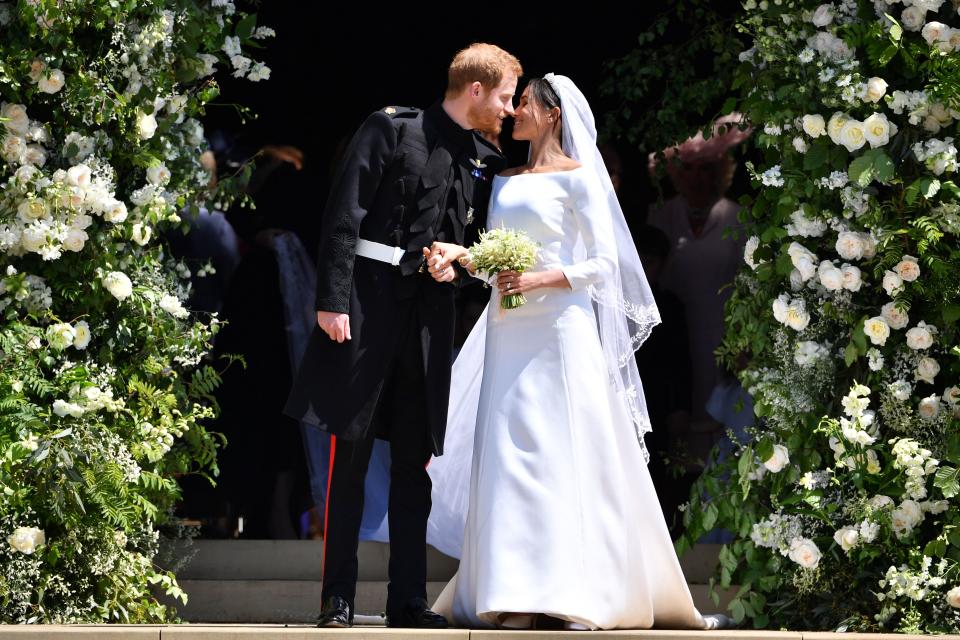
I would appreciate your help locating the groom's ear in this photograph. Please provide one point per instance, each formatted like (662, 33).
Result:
(476, 89)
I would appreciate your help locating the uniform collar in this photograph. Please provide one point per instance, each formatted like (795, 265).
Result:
(449, 129)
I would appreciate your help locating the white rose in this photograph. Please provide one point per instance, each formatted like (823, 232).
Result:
(869, 245)
(912, 510)
(907, 269)
(60, 335)
(822, 16)
(852, 278)
(805, 553)
(878, 130)
(881, 502)
(32, 209)
(81, 335)
(847, 538)
(118, 284)
(158, 175)
(912, 18)
(893, 316)
(892, 283)
(779, 459)
(877, 330)
(951, 395)
(929, 407)
(953, 597)
(51, 82)
(116, 212)
(927, 369)
(146, 125)
(920, 337)
(780, 307)
(141, 233)
(797, 316)
(900, 523)
(876, 88)
(849, 245)
(830, 277)
(26, 540)
(13, 149)
(16, 119)
(75, 240)
(853, 135)
(79, 176)
(836, 124)
(37, 67)
(35, 155)
(934, 32)
(813, 125)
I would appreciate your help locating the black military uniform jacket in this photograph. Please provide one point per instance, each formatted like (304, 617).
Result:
(409, 177)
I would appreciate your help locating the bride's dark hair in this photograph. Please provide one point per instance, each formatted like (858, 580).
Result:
(543, 94)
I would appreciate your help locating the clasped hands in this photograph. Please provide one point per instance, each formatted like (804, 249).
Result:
(441, 255)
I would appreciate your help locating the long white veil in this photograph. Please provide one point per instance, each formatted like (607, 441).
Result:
(626, 314)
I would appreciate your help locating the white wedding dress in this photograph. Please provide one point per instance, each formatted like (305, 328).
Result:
(562, 517)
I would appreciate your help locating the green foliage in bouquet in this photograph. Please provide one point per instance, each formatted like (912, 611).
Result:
(505, 250)
(105, 382)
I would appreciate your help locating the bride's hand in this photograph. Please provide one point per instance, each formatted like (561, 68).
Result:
(516, 282)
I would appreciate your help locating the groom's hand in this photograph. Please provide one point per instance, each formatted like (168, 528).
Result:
(439, 265)
(335, 325)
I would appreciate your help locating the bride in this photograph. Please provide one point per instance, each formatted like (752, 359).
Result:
(543, 491)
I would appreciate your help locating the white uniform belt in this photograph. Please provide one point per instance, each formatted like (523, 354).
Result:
(378, 251)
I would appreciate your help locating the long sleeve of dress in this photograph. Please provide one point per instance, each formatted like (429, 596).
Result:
(588, 202)
(354, 188)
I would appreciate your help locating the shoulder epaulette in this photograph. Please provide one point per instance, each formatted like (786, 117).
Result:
(401, 112)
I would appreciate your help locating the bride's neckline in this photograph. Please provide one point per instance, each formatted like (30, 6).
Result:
(539, 173)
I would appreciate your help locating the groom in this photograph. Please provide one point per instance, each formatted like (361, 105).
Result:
(378, 364)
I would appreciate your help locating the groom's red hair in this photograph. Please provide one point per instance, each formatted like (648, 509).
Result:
(483, 63)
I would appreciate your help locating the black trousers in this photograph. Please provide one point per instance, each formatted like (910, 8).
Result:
(401, 414)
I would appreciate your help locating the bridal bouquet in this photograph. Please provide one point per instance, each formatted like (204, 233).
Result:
(505, 250)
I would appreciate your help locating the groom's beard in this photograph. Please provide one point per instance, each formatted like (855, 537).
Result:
(485, 119)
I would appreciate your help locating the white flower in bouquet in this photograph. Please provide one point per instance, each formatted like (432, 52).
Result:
(934, 32)
(877, 329)
(929, 407)
(894, 316)
(779, 459)
(901, 390)
(118, 284)
(32, 209)
(800, 145)
(892, 283)
(141, 233)
(830, 276)
(208, 64)
(63, 409)
(876, 89)
(35, 155)
(873, 462)
(231, 46)
(807, 352)
(856, 401)
(813, 125)
(907, 269)
(806, 227)
(847, 538)
(877, 130)
(854, 434)
(921, 336)
(172, 305)
(146, 125)
(15, 117)
(849, 245)
(79, 176)
(51, 82)
(935, 507)
(116, 212)
(835, 125)
(60, 335)
(771, 177)
(753, 242)
(26, 540)
(805, 553)
(853, 135)
(927, 369)
(880, 502)
(804, 260)
(259, 72)
(75, 240)
(158, 174)
(822, 16)
(797, 317)
(953, 597)
(81, 337)
(874, 359)
(780, 306)
(852, 277)
(912, 18)
(905, 517)
(13, 149)
(869, 530)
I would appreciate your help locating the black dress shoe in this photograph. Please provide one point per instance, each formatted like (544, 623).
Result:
(415, 614)
(335, 614)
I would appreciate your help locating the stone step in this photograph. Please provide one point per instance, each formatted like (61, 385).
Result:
(291, 560)
(298, 601)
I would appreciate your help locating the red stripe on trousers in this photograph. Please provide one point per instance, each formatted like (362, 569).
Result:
(326, 506)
